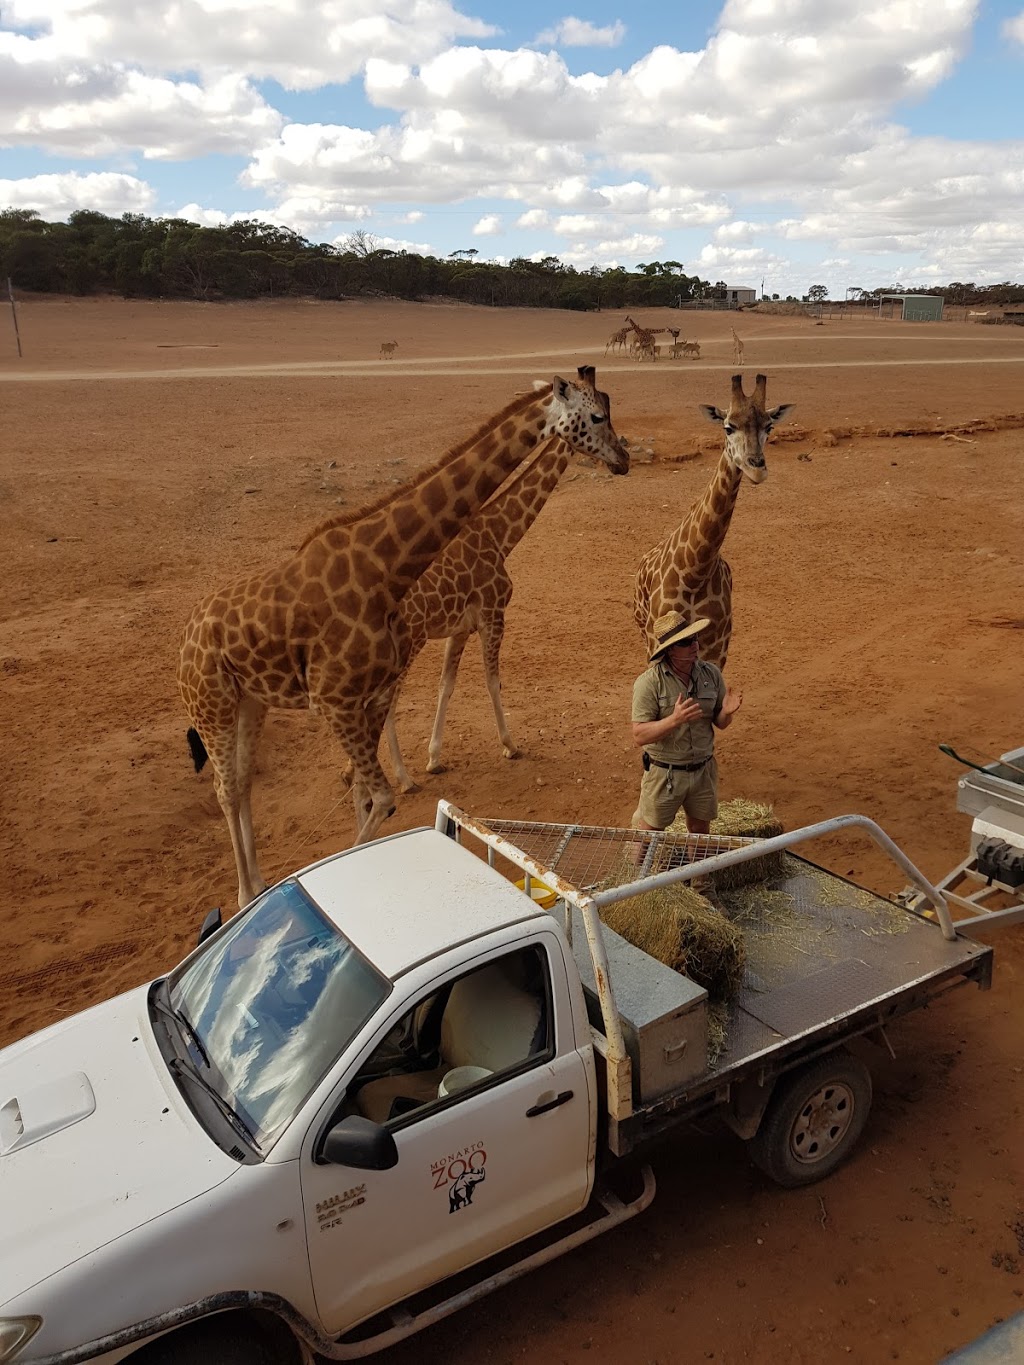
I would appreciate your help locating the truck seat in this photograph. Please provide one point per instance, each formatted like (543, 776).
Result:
(489, 1021)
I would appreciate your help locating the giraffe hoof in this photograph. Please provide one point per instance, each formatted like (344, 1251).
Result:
(409, 787)
(511, 752)
(436, 766)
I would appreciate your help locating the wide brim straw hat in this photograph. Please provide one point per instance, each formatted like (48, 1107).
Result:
(673, 627)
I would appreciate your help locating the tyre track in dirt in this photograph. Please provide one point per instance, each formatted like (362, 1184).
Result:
(470, 365)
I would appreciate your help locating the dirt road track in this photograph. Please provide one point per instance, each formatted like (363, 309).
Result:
(452, 366)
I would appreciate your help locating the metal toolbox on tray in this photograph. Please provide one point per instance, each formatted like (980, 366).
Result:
(664, 1014)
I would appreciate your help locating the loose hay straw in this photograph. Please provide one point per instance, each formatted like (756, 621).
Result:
(743, 819)
(680, 928)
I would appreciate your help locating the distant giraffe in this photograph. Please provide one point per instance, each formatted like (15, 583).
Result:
(617, 340)
(388, 349)
(644, 343)
(468, 589)
(320, 629)
(686, 572)
(737, 349)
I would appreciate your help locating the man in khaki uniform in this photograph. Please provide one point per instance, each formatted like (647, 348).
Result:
(677, 706)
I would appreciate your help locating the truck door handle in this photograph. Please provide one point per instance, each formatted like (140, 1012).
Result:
(536, 1109)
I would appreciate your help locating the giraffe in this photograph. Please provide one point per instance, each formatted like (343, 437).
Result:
(322, 629)
(617, 340)
(737, 349)
(686, 572)
(644, 343)
(468, 589)
(388, 349)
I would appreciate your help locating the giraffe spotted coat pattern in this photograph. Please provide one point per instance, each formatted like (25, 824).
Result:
(322, 629)
(686, 571)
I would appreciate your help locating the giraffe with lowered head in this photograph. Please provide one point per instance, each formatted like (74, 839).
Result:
(468, 588)
(686, 572)
(323, 629)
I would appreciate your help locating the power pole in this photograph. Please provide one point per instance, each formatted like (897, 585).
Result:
(14, 314)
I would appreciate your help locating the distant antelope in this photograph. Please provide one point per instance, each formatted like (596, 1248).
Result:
(679, 348)
(388, 349)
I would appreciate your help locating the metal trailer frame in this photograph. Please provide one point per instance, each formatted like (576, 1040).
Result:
(994, 795)
(628, 1123)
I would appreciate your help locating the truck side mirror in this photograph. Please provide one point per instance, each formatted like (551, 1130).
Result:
(358, 1142)
(211, 924)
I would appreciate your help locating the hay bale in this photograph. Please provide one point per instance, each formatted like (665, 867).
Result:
(744, 819)
(679, 927)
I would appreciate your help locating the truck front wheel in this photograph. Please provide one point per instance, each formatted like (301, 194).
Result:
(813, 1120)
(241, 1338)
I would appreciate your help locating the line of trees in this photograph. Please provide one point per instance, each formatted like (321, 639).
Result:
(142, 257)
(955, 293)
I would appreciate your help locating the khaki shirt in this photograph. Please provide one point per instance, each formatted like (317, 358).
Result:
(654, 697)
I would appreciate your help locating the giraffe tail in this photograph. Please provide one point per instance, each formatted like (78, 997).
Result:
(197, 749)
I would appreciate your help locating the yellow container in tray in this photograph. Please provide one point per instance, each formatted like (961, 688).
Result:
(541, 895)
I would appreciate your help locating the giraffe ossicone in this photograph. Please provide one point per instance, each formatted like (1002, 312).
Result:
(686, 571)
(322, 629)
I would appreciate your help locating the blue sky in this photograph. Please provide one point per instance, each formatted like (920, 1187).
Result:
(840, 142)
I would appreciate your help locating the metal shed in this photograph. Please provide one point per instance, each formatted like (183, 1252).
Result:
(919, 307)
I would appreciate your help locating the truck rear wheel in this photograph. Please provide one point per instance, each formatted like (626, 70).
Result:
(241, 1338)
(813, 1120)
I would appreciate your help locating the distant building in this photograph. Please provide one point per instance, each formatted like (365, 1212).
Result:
(919, 307)
(737, 294)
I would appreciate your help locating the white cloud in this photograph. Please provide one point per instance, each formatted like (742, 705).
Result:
(573, 32)
(1014, 28)
(105, 109)
(303, 44)
(533, 218)
(390, 244)
(488, 226)
(55, 196)
(195, 213)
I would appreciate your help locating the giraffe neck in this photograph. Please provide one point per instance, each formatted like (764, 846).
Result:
(407, 531)
(698, 541)
(511, 513)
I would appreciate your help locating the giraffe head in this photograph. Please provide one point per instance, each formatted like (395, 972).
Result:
(747, 423)
(581, 415)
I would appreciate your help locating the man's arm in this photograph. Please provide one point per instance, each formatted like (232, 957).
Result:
(686, 709)
(731, 703)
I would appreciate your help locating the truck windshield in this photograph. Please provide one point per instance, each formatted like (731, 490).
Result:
(273, 1001)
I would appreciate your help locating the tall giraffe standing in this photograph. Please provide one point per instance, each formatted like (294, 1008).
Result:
(686, 572)
(323, 628)
(737, 349)
(468, 589)
(644, 344)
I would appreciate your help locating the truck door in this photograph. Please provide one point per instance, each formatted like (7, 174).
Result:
(490, 1103)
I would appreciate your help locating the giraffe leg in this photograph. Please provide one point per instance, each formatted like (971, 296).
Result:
(492, 632)
(454, 646)
(405, 782)
(220, 742)
(358, 728)
(251, 716)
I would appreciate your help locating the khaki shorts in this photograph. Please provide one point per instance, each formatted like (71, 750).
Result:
(695, 793)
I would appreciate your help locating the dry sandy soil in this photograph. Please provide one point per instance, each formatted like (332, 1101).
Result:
(149, 451)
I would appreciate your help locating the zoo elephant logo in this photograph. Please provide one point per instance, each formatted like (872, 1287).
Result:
(460, 1191)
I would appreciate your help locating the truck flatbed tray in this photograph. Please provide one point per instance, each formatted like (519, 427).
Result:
(821, 950)
(826, 959)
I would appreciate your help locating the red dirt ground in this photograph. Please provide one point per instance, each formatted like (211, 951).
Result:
(150, 450)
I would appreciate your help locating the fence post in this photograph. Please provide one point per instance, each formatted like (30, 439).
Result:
(14, 314)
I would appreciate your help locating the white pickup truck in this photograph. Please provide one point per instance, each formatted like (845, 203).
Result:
(396, 1066)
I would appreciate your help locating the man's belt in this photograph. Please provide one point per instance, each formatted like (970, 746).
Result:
(678, 767)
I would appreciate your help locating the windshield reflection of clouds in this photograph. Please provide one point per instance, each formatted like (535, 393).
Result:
(275, 1000)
